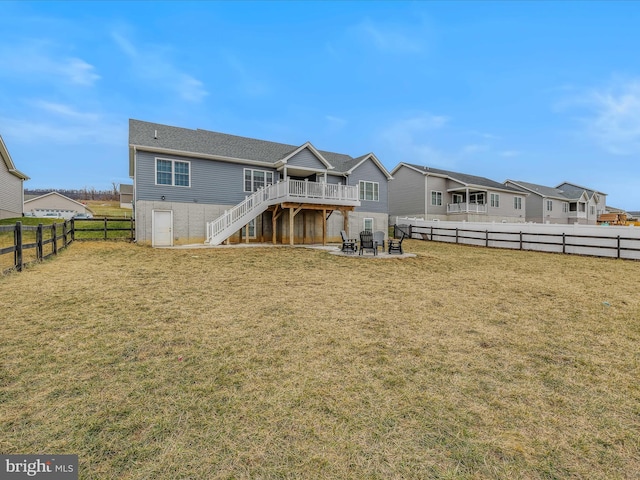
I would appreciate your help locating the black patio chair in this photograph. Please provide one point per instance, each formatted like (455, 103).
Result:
(395, 245)
(367, 242)
(349, 245)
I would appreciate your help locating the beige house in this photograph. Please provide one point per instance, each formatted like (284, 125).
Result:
(11, 185)
(434, 194)
(566, 203)
(54, 204)
(126, 195)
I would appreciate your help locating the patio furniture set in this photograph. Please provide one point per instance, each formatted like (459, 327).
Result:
(371, 241)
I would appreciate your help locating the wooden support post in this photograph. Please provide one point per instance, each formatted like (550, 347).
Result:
(345, 221)
(304, 227)
(64, 234)
(291, 214)
(105, 228)
(324, 227)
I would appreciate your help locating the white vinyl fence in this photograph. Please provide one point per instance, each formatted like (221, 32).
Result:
(594, 240)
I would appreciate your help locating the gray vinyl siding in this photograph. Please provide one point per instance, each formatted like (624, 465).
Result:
(505, 208)
(212, 182)
(10, 193)
(406, 193)
(370, 172)
(336, 179)
(437, 184)
(306, 158)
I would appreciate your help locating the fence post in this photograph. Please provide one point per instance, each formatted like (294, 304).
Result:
(456, 235)
(64, 234)
(431, 232)
(54, 238)
(39, 242)
(105, 228)
(73, 230)
(564, 244)
(17, 239)
(618, 246)
(520, 240)
(486, 238)
(132, 238)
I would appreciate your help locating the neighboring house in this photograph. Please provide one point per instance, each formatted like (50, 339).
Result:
(126, 195)
(567, 203)
(196, 185)
(431, 193)
(53, 204)
(11, 185)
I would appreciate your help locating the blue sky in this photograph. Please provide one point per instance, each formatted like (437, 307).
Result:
(543, 92)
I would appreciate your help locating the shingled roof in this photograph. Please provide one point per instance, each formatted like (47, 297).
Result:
(156, 136)
(551, 192)
(465, 179)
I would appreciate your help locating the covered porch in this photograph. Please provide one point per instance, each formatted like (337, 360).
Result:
(467, 200)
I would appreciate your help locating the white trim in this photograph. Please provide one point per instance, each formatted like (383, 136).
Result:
(182, 153)
(375, 160)
(364, 223)
(244, 187)
(313, 149)
(517, 202)
(153, 227)
(362, 191)
(494, 200)
(54, 193)
(438, 193)
(173, 172)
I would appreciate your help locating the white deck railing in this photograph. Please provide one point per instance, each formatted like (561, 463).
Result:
(466, 208)
(237, 217)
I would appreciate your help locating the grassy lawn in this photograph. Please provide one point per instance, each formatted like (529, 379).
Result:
(461, 363)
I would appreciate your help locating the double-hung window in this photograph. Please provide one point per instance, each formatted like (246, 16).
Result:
(254, 180)
(549, 205)
(517, 203)
(369, 191)
(436, 198)
(173, 172)
(495, 200)
(565, 207)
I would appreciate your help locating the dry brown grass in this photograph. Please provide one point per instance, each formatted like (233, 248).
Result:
(292, 363)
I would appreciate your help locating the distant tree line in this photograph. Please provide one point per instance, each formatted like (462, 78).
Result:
(79, 194)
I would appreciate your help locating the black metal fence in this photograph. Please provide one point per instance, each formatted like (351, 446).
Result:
(33, 243)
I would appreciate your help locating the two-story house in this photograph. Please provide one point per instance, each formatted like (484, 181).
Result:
(201, 186)
(566, 203)
(11, 185)
(431, 193)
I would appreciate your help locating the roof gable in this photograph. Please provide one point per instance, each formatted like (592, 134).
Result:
(369, 156)
(8, 161)
(461, 178)
(306, 146)
(64, 197)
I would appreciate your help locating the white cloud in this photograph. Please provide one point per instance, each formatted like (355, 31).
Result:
(389, 38)
(409, 138)
(611, 116)
(153, 65)
(36, 60)
(65, 111)
(66, 133)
